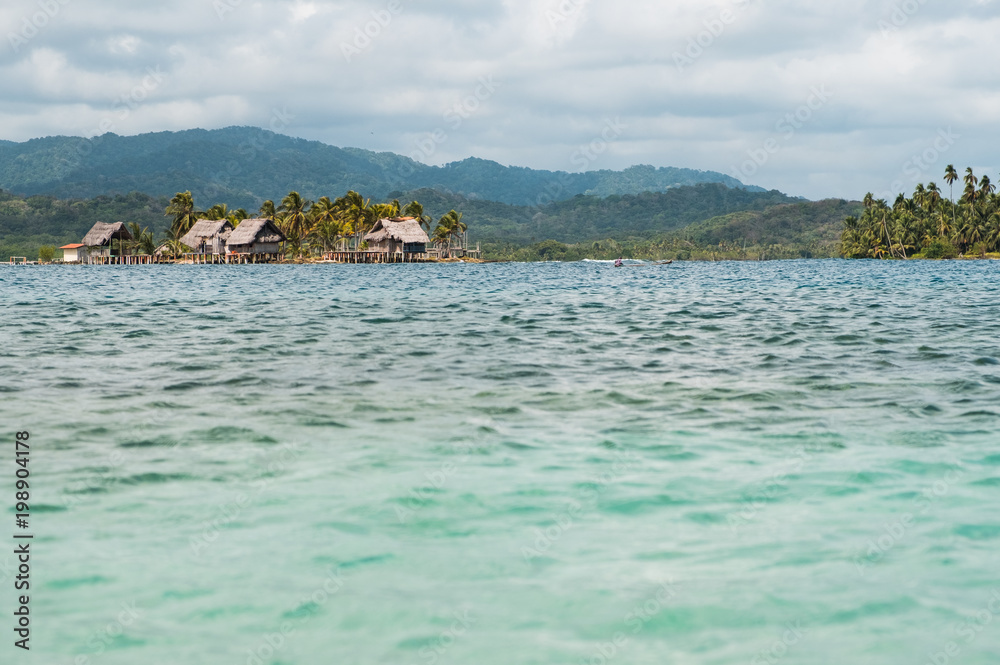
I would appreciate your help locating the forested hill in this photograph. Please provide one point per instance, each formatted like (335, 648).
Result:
(28, 223)
(244, 166)
(587, 218)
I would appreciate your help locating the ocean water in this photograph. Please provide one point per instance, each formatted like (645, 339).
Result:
(703, 463)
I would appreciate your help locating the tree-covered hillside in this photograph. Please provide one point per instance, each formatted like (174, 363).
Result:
(28, 223)
(245, 166)
(588, 218)
(808, 229)
(814, 225)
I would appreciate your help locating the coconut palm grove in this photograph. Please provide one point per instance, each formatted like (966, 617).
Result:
(930, 224)
(314, 227)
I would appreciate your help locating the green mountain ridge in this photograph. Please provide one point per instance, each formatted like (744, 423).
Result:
(588, 218)
(812, 224)
(245, 165)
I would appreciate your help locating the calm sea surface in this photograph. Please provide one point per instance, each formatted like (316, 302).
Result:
(704, 463)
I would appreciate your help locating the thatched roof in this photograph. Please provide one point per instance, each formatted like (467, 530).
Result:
(255, 230)
(400, 229)
(103, 233)
(207, 229)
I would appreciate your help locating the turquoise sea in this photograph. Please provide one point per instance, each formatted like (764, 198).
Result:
(704, 463)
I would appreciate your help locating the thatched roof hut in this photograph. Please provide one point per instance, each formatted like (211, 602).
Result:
(102, 233)
(255, 236)
(398, 235)
(208, 236)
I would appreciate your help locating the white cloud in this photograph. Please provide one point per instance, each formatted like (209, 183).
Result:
(302, 11)
(124, 44)
(566, 66)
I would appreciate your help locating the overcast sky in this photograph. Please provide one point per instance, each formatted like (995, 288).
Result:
(816, 99)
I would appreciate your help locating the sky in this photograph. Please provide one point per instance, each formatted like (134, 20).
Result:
(816, 99)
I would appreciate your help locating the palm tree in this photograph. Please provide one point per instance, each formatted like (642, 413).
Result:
(449, 226)
(994, 231)
(294, 220)
(176, 247)
(920, 195)
(184, 214)
(217, 212)
(933, 196)
(384, 211)
(971, 181)
(325, 218)
(267, 210)
(357, 214)
(237, 216)
(950, 176)
(142, 239)
(416, 211)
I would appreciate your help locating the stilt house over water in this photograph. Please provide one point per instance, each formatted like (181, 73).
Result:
(398, 235)
(256, 239)
(208, 236)
(100, 240)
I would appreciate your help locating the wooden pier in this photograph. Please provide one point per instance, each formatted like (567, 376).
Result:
(231, 258)
(133, 260)
(376, 257)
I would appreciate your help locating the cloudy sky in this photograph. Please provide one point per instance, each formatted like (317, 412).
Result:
(816, 99)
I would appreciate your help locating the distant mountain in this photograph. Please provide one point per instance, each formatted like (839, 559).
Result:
(243, 166)
(586, 218)
(810, 224)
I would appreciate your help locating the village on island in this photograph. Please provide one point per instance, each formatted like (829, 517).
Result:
(345, 230)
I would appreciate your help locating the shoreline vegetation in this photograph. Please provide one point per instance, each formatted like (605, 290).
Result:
(931, 224)
(311, 228)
